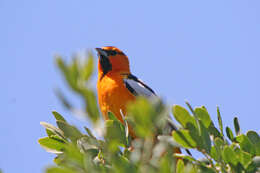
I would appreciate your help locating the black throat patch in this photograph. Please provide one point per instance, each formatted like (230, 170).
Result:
(105, 64)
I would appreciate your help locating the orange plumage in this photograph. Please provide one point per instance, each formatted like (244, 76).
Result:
(113, 96)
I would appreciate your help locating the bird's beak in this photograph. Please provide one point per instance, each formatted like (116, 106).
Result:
(101, 52)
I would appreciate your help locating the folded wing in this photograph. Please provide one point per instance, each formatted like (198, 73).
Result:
(137, 87)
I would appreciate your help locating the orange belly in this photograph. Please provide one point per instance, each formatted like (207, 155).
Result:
(113, 96)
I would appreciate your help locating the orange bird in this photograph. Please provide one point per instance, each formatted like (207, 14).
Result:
(116, 85)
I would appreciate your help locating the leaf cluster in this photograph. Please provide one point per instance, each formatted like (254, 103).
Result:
(235, 153)
(153, 148)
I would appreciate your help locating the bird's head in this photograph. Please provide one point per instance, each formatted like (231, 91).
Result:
(112, 59)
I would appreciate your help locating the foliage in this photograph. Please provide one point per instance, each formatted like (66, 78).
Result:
(152, 150)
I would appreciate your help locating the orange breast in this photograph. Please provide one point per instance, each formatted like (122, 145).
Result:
(113, 96)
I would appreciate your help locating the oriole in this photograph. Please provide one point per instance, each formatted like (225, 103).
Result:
(116, 85)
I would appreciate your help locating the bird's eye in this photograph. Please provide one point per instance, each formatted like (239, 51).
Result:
(111, 52)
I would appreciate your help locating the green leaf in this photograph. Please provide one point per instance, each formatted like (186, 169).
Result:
(89, 132)
(214, 154)
(69, 131)
(59, 170)
(111, 116)
(180, 166)
(251, 168)
(88, 68)
(255, 140)
(49, 133)
(58, 116)
(91, 105)
(121, 164)
(229, 133)
(194, 133)
(166, 164)
(245, 144)
(245, 158)
(195, 117)
(52, 129)
(142, 117)
(115, 131)
(65, 102)
(229, 156)
(61, 64)
(203, 115)
(183, 138)
(253, 137)
(183, 116)
(74, 71)
(67, 73)
(220, 122)
(87, 143)
(236, 125)
(219, 143)
(205, 138)
(217, 148)
(73, 153)
(53, 145)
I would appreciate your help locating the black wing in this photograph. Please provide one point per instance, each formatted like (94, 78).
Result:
(137, 87)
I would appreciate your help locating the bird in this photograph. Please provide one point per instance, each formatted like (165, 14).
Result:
(117, 86)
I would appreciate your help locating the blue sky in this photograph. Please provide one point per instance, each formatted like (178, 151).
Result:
(206, 52)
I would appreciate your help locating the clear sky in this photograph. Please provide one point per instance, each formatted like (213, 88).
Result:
(206, 52)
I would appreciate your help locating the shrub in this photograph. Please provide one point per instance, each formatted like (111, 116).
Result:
(152, 150)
